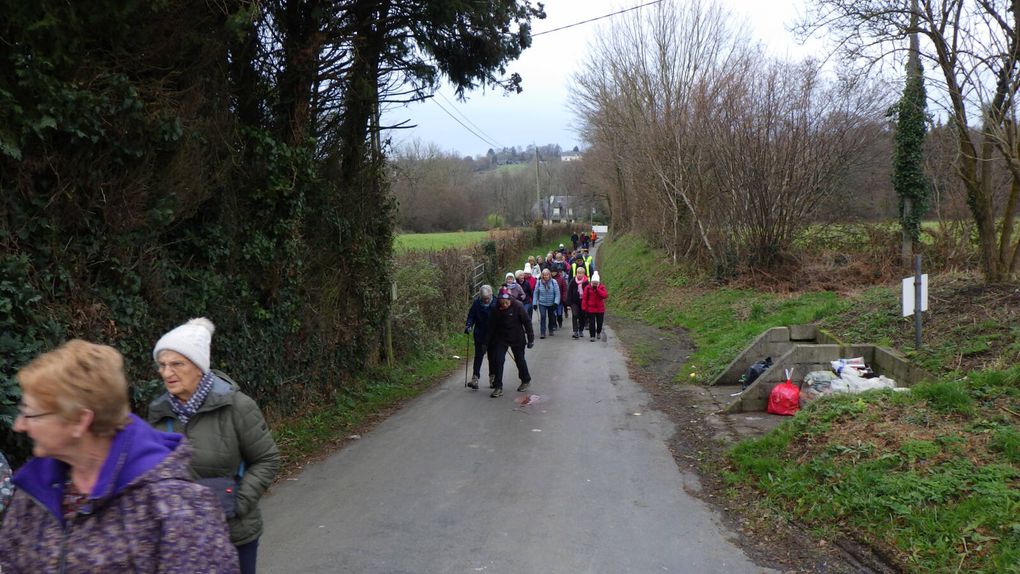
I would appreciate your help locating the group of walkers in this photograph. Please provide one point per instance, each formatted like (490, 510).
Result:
(585, 239)
(108, 491)
(562, 284)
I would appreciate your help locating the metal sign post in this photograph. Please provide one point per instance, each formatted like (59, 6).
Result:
(918, 285)
(915, 298)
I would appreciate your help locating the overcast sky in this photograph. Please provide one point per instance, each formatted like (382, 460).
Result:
(540, 114)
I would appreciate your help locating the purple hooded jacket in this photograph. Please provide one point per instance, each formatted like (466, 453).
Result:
(144, 515)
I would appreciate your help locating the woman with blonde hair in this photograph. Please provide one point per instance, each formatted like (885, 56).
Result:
(105, 491)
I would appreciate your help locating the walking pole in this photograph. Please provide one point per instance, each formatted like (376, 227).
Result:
(467, 358)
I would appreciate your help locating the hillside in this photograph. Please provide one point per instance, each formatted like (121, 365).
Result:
(926, 479)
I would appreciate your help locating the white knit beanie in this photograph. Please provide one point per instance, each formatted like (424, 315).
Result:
(595, 277)
(192, 339)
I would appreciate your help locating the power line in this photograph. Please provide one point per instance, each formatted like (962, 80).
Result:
(596, 18)
(467, 119)
(473, 132)
(486, 138)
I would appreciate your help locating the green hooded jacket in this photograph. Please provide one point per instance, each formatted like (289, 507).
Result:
(229, 428)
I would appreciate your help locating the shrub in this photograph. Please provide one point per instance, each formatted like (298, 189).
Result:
(494, 221)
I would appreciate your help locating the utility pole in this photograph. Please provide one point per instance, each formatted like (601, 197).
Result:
(538, 190)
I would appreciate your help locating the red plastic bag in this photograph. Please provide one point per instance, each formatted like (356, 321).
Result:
(785, 398)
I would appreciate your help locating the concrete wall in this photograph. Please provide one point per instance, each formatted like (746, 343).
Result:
(897, 367)
(774, 343)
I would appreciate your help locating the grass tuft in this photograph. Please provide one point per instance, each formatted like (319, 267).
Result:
(945, 397)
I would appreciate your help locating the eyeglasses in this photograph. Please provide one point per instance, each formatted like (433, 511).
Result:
(21, 412)
(174, 366)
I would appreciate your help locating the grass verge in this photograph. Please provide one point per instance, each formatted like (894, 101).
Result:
(720, 322)
(354, 409)
(930, 477)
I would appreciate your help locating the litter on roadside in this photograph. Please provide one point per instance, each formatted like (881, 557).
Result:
(785, 397)
(848, 376)
(753, 372)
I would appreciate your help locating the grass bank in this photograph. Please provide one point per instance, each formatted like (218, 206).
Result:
(931, 477)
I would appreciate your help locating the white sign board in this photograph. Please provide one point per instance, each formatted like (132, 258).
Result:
(600, 228)
(908, 295)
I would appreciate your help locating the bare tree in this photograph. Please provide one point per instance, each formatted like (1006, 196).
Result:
(711, 149)
(434, 190)
(972, 47)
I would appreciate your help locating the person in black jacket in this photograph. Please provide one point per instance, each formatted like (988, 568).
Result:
(509, 328)
(575, 290)
(522, 280)
(478, 319)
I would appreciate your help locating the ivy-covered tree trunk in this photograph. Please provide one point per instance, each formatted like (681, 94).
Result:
(909, 179)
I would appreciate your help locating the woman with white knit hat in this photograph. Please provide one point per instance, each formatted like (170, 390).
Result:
(234, 452)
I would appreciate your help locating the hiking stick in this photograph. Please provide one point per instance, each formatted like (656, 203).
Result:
(467, 358)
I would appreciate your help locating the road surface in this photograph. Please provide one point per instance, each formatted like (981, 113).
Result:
(579, 481)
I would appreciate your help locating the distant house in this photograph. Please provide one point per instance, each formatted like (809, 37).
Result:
(570, 156)
(563, 208)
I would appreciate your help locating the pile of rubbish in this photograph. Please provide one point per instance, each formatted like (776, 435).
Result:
(847, 376)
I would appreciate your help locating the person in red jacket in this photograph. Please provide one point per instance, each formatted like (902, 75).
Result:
(594, 305)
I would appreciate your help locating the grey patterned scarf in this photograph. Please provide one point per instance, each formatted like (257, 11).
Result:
(186, 410)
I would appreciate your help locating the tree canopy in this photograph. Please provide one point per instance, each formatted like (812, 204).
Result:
(161, 160)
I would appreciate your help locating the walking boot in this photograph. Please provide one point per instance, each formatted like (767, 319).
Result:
(593, 339)
(598, 335)
(497, 392)
(474, 383)
(524, 386)
(574, 336)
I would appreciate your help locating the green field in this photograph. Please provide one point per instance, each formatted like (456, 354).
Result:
(426, 241)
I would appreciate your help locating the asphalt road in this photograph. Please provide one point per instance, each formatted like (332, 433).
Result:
(579, 481)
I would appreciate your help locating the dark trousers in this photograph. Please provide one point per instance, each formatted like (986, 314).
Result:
(546, 312)
(559, 315)
(595, 323)
(577, 318)
(497, 356)
(246, 554)
(479, 357)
